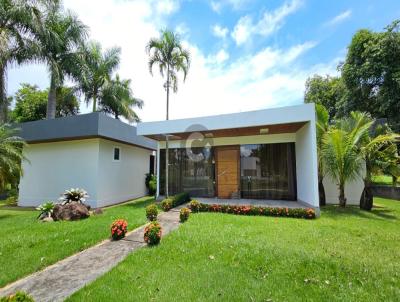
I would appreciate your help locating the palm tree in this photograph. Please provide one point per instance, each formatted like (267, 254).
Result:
(340, 152)
(19, 22)
(168, 53)
(117, 98)
(99, 67)
(322, 125)
(62, 36)
(11, 154)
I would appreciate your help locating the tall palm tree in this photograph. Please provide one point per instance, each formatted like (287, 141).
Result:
(117, 98)
(322, 123)
(340, 152)
(11, 154)
(168, 53)
(62, 36)
(99, 67)
(19, 22)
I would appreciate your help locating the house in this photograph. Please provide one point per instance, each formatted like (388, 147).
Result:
(92, 151)
(266, 155)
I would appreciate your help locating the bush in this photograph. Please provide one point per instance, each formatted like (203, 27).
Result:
(152, 233)
(180, 198)
(78, 195)
(151, 212)
(184, 214)
(118, 229)
(151, 183)
(17, 297)
(45, 209)
(256, 211)
(194, 205)
(166, 204)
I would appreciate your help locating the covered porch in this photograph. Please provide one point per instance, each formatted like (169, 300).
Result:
(254, 202)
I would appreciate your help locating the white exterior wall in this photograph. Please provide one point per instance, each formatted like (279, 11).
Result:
(57, 166)
(88, 164)
(121, 180)
(307, 165)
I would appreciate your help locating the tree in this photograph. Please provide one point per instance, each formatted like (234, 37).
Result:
(327, 91)
(168, 53)
(62, 36)
(340, 152)
(322, 125)
(371, 73)
(11, 154)
(31, 103)
(99, 67)
(117, 98)
(19, 21)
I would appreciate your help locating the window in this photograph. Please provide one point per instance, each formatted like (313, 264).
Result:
(117, 152)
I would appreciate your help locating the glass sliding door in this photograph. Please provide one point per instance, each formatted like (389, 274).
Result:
(190, 170)
(268, 171)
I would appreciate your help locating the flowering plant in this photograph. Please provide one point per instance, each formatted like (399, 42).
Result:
(78, 195)
(118, 229)
(184, 214)
(194, 206)
(151, 212)
(152, 233)
(166, 204)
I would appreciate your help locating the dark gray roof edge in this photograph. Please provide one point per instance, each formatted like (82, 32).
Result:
(96, 124)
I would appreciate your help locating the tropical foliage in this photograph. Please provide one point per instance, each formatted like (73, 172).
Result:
(45, 209)
(168, 53)
(77, 195)
(11, 155)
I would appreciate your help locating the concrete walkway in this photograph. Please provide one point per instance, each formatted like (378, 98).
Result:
(62, 279)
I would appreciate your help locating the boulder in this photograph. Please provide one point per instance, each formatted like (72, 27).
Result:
(47, 219)
(70, 211)
(97, 211)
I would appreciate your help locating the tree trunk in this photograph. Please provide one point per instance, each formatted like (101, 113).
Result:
(367, 197)
(51, 101)
(3, 95)
(394, 180)
(321, 191)
(342, 198)
(166, 140)
(94, 101)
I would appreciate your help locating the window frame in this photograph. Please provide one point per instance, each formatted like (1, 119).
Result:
(119, 154)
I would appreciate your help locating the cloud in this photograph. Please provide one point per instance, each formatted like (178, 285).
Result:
(219, 31)
(216, 6)
(217, 83)
(268, 24)
(339, 18)
(167, 7)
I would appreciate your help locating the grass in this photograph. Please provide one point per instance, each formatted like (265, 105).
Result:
(384, 180)
(28, 245)
(346, 255)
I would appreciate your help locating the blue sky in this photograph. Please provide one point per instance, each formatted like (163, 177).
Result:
(246, 54)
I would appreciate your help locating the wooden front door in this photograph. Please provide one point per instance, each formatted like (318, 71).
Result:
(227, 171)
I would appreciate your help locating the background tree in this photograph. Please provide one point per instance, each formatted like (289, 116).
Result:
(371, 73)
(11, 154)
(98, 69)
(19, 21)
(62, 37)
(327, 91)
(117, 99)
(31, 103)
(168, 53)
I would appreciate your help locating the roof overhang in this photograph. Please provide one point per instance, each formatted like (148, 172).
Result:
(261, 122)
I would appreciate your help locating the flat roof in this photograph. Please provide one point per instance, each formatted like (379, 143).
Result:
(278, 120)
(91, 125)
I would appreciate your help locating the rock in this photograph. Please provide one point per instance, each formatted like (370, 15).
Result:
(98, 211)
(47, 219)
(70, 211)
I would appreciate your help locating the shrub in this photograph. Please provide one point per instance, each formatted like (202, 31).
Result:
(152, 233)
(151, 212)
(194, 206)
(17, 297)
(166, 204)
(118, 229)
(259, 211)
(184, 214)
(180, 198)
(45, 209)
(78, 195)
(151, 183)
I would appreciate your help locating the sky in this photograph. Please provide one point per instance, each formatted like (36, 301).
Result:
(245, 54)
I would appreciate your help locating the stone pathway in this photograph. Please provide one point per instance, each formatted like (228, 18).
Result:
(62, 279)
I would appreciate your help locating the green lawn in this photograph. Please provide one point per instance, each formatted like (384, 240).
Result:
(346, 255)
(384, 180)
(27, 245)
